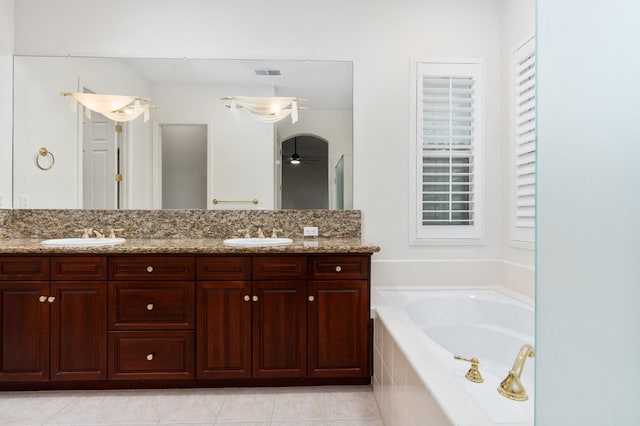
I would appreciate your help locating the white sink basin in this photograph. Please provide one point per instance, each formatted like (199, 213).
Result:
(82, 242)
(257, 242)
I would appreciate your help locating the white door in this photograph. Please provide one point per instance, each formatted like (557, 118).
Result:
(99, 163)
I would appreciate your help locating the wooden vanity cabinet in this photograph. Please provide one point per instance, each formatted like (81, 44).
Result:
(151, 317)
(251, 317)
(69, 321)
(59, 307)
(339, 316)
(279, 316)
(224, 300)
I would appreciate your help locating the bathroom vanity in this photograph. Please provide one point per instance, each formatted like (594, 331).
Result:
(184, 313)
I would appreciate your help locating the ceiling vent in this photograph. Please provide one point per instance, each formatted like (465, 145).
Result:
(267, 71)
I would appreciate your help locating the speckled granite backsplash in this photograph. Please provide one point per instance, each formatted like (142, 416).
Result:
(178, 223)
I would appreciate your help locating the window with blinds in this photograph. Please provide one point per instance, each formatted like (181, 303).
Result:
(524, 144)
(447, 151)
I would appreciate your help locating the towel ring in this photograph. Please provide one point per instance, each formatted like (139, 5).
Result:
(44, 152)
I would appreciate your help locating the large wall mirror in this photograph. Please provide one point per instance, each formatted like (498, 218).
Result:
(193, 152)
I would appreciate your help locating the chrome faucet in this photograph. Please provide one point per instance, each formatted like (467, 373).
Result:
(511, 387)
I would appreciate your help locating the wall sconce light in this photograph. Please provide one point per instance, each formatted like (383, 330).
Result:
(114, 107)
(266, 110)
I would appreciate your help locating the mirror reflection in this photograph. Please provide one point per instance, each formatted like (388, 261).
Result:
(195, 151)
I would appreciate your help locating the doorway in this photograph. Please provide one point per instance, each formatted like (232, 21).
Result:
(100, 163)
(305, 185)
(183, 166)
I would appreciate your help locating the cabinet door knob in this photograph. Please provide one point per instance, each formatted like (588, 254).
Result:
(149, 306)
(338, 268)
(254, 298)
(150, 357)
(42, 299)
(247, 297)
(311, 298)
(149, 268)
(51, 299)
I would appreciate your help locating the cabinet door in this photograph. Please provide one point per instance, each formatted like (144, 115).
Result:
(24, 331)
(223, 329)
(78, 330)
(338, 328)
(279, 329)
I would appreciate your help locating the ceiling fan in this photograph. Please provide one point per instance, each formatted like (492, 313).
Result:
(295, 158)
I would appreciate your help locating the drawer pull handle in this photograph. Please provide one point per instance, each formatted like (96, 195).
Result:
(254, 298)
(338, 268)
(42, 299)
(311, 298)
(51, 299)
(149, 306)
(150, 357)
(149, 268)
(247, 297)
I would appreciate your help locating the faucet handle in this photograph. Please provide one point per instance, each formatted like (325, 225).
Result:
(473, 374)
(274, 233)
(246, 232)
(85, 232)
(112, 232)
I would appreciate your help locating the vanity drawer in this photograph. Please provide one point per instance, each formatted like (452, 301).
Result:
(14, 268)
(151, 355)
(339, 267)
(152, 268)
(72, 268)
(279, 268)
(144, 306)
(224, 268)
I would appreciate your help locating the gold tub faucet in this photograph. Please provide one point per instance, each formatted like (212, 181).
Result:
(511, 387)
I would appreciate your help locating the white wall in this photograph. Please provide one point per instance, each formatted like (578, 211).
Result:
(379, 39)
(6, 88)
(588, 283)
(517, 268)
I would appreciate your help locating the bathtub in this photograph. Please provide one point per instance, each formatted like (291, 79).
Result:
(417, 333)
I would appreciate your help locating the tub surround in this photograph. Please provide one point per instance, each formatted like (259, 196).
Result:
(417, 380)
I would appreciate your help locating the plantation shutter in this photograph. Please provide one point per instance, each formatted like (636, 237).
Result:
(525, 143)
(448, 138)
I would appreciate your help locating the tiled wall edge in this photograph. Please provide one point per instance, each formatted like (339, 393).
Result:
(453, 272)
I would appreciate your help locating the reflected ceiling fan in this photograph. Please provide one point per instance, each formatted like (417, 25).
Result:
(295, 158)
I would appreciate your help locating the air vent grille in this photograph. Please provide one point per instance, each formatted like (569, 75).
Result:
(267, 71)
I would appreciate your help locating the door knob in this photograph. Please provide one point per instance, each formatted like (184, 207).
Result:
(149, 306)
(42, 299)
(254, 298)
(338, 268)
(149, 268)
(247, 297)
(150, 357)
(51, 299)
(311, 298)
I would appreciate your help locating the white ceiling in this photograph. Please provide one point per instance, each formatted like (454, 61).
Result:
(325, 84)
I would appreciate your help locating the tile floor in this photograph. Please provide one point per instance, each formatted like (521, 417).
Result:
(313, 406)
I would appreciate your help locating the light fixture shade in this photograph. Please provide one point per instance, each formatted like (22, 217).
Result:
(265, 110)
(115, 107)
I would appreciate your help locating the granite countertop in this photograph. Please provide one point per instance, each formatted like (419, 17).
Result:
(191, 246)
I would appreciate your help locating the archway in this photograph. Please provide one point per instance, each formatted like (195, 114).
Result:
(305, 185)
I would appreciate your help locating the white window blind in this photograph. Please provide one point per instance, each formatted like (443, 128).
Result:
(524, 188)
(447, 151)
